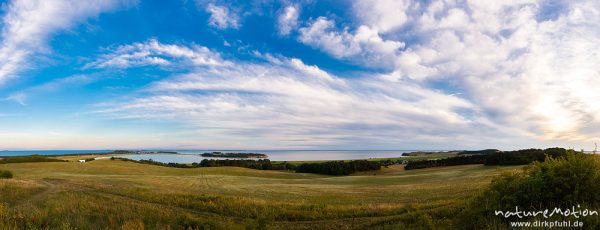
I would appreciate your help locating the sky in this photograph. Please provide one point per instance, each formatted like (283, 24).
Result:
(307, 74)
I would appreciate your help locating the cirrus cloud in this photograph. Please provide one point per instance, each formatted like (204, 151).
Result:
(152, 52)
(28, 24)
(288, 102)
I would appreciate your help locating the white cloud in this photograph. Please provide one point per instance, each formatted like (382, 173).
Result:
(299, 65)
(470, 72)
(363, 45)
(154, 53)
(62, 82)
(22, 96)
(28, 24)
(311, 70)
(535, 75)
(287, 20)
(290, 103)
(19, 98)
(382, 15)
(527, 65)
(221, 17)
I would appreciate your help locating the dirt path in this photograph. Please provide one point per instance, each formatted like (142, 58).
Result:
(51, 187)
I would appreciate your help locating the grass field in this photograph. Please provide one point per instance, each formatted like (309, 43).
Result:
(111, 194)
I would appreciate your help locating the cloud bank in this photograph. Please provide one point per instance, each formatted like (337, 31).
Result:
(291, 103)
(521, 66)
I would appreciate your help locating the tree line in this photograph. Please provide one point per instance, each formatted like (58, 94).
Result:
(262, 164)
(338, 167)
(450, 161)
(517, 157)
(329, 168)
(525, 156)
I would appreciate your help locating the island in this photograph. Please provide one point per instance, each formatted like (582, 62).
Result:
(234, 155)
(141, 152)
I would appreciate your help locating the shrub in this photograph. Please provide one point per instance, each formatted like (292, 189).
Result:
(5, 174)
(558, 182)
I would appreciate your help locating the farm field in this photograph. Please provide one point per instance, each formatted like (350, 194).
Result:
(118, 194)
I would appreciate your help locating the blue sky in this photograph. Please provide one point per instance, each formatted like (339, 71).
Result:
(278, 74)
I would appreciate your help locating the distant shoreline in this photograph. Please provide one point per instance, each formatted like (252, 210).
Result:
(119, 152)
(274, 156)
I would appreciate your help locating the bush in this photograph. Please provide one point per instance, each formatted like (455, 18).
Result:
(5, 174)
(562, 182)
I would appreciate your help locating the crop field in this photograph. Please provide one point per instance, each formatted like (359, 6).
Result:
(109, 194)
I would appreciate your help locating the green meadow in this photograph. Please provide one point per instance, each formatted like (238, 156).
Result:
(114, 194)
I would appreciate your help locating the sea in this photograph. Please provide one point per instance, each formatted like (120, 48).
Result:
(191, 156)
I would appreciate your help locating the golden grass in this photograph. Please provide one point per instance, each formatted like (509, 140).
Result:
(114, 194)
